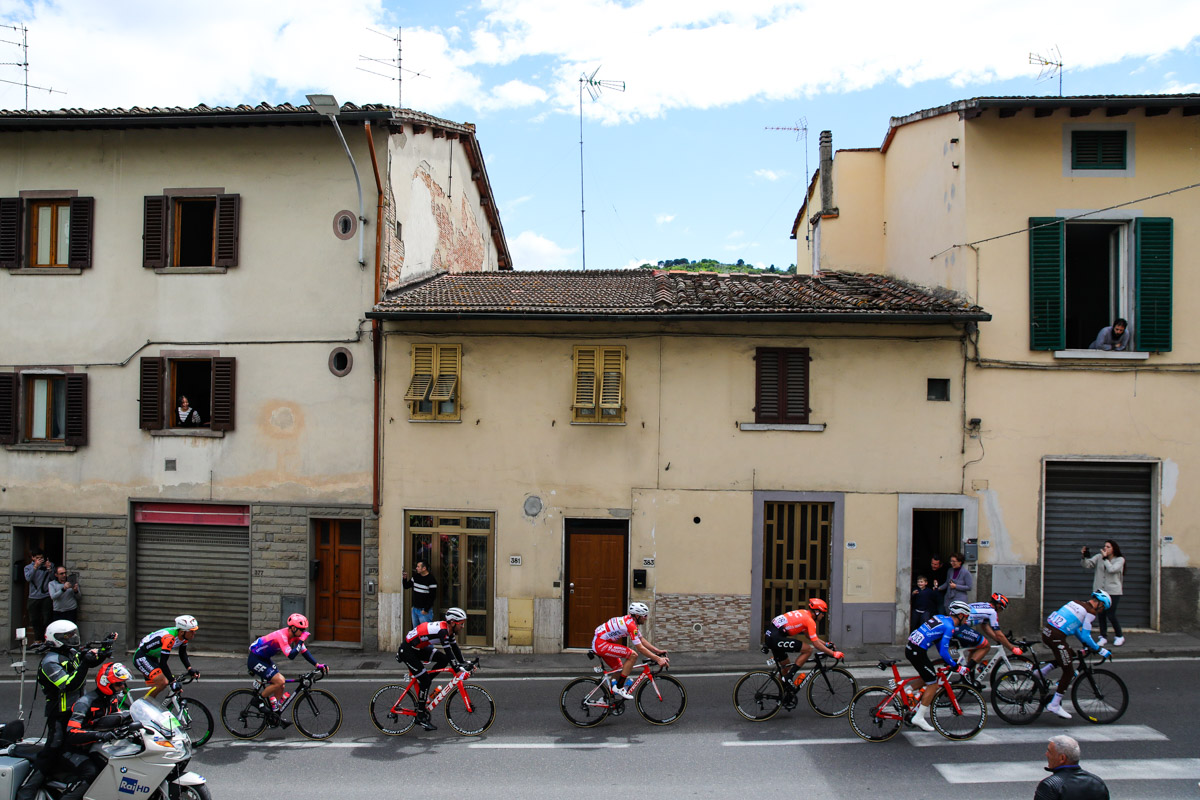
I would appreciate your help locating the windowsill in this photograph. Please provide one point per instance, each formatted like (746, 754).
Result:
(1103, 355)
(38, 447)
(815, 427)
(437, 420)
(600, 424)
(203, 433)
(191, 271)
(46, 271)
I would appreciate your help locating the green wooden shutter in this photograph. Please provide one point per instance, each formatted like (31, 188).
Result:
(1154, 240)
(1047, 255)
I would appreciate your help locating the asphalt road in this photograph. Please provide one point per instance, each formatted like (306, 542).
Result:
(531, 751)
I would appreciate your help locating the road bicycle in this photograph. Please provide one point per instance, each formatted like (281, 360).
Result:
(194, 717)
(877, 712)
(758, 695)
(1098, 695)
(394, 707)
(586, 701)
(998, 661)
(316, 712)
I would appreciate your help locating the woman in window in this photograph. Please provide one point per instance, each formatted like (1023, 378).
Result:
(187, 417)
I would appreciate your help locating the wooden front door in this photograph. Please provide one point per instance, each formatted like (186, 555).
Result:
(797, 544)
(338, 553)
(595, 590)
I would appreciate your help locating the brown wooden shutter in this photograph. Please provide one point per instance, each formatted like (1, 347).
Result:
(154, 232)
(229, 207)
(766, 394)
(77, 407)
(781, 385)
(79, 244)
(795, 386)
(150, 394)
(10, 232)
(224, 391)
(9, 384)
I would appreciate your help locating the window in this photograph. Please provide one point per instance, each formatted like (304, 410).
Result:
(43, 408)
(599, 384)
(1083, 275)
(191, 231)
(433, 392)
(208, 384)
(937, 389)
(1103, 149)
(53, 233)
(781, 385)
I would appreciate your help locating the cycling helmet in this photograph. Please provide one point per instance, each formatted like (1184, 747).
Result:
(298, 621)
(110, 675)
(1103, 597)
(817, 604)
(456, 614)
(62, 633)
(186, 622)
(999, 601)
(958, 607)
(639, 610)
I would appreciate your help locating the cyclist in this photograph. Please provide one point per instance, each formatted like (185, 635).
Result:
(939, 630)
(94, 717)
(152, 653)
(984, 624)
(1073, 619)
(606, 643)
(418, 654)
(783, 627)
(288, 641)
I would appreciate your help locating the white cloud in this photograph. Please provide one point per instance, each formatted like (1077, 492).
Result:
(735, 234)
(770, 174)
(635, 263)
(533, 251)
(663, 219)
(513, 94)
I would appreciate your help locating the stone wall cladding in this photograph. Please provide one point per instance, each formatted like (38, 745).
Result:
(724, 621)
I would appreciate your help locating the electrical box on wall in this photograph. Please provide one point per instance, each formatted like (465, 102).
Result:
(639, 579)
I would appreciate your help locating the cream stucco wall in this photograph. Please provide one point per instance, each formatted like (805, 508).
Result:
(858, 177)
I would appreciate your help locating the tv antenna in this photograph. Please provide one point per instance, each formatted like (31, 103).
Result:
(397, 62)
(1049, 66)
(23, 63)
(801, 129)
(594, 87)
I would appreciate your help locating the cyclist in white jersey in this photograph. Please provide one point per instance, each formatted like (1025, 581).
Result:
(607, 644)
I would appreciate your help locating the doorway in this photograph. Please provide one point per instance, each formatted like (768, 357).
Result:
(797, 555)
(457, 548)
(338, 582)
(25, 541)
(596, 553)
(935, 531)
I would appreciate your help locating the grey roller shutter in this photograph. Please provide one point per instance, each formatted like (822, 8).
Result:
(1087, 503)
(199, 570)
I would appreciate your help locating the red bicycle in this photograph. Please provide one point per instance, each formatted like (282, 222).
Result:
(470, 710)
(877, 712)
(586, 701)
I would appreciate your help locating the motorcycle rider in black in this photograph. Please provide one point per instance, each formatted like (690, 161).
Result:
(94, 718)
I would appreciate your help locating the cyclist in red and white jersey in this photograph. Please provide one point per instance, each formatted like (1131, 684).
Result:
(778, 636)
(607, 645)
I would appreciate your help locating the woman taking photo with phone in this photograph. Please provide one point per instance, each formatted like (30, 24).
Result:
(1109, 568)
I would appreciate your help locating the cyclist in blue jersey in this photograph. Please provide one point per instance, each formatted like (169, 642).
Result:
(939, 630)
(1073, 619)
(984, 624)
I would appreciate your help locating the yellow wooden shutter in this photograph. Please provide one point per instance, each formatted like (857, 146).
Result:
(422, 373)
(449, 360)
(612, 385)
(585, 377)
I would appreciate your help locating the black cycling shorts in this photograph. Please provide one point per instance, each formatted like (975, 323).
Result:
(969, 637)
(921, 663)
(780, 643)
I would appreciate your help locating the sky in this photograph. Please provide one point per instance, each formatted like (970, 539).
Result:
(682, 163)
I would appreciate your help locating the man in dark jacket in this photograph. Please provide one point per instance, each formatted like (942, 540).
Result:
(424, 590)
(1068, 781)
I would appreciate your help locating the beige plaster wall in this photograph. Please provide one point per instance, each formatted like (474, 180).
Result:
(869, 569)
(854, 240)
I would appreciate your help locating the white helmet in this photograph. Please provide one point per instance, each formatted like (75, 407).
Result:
(959, 607)
(62, 633)
(456, 614)
(186, 622)
(639, 610)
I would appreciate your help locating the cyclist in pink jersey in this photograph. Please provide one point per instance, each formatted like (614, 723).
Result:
(607, 645)
(287, 641)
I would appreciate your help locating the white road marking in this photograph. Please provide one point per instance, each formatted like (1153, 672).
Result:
(1147, 769)
(792, 742)
(1099, 733)
(547, 745)
(294, 745)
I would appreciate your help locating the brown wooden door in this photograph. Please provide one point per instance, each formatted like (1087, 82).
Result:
(595, 590)
(339, 580)
(798, 538)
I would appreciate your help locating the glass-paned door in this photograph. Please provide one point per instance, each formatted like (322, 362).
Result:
(458, 549)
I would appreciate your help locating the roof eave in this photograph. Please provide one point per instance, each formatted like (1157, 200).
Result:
(230, 120)
(766, 316)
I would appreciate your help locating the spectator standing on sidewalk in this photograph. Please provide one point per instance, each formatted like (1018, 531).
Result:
(937, 573)
(958, 580)
(1109, 567)
(64, 595)
(38, 574)
(424, 590)
(1067, 780)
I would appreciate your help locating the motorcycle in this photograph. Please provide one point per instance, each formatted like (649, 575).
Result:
(148, 760)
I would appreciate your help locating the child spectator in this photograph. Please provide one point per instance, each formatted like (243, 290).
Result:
(924, 602)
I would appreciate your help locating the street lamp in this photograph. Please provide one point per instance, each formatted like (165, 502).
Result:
(327, 105)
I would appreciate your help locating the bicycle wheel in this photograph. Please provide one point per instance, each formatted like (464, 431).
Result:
(963, 723)
(479, 718)
(1017, 697)
(758, 695)
(661, 700)
(583, 702)
(1100, 697)
(317, 714)
(1016, 662)
(875, 714)
(244, 713)
(831, 690)
(196, 720)
(197, 792)
(394, 709)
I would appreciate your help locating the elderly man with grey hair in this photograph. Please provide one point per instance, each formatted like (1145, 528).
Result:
(1068, 781)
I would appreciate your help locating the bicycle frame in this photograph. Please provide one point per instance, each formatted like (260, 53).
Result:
(306, 681)
(453, 685)
(646, 674)
(910, 699)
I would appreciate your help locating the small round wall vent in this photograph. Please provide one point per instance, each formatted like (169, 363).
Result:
(341, 361)
(345, 224)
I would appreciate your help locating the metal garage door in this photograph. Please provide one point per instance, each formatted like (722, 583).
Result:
(197, 570)
(1087, 503)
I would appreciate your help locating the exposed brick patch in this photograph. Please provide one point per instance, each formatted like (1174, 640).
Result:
(460, 248)
(724, 621)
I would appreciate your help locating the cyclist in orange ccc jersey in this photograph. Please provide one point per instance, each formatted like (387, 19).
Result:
(782, 628)
(607, 645)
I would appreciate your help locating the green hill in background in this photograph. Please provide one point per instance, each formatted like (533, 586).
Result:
(712, 265)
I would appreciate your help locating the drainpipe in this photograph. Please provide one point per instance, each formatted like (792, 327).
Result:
(376, 327)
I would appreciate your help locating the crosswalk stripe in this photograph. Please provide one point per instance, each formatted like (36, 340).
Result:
(791, 742)
(998, 735)
(1147, 769)
(547, 745)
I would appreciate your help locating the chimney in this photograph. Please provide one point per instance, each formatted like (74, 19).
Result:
(826, 149)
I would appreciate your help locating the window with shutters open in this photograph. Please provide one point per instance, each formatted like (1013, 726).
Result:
(599, 385)
(208, 384)
(781, 385)
(191, 231)
(434, 389)
(46, 234)
(43, 407)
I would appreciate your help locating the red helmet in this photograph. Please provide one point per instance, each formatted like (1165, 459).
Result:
(111, 677)
(817, 604)
(298, 621)
(999, 601)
